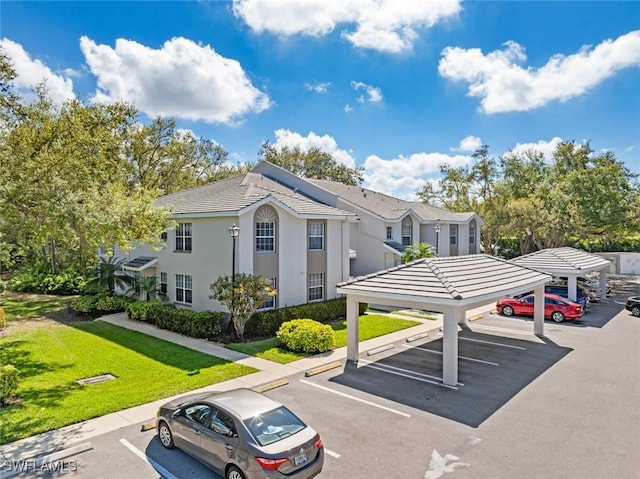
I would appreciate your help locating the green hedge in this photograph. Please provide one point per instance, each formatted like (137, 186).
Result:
(267, 323)
(101, 304)
(36, 279)
(306, 335)
(8, 382)
(139, 310)
(204, 324)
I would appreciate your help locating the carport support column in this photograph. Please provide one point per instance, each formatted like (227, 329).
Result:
(603, 283)
(352, 328)
(572, 287)
(538, 311)
(450, 349)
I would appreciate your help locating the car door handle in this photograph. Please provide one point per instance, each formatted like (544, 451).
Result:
(229, 446)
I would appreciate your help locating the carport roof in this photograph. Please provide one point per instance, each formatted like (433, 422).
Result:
(562, 260)
(447, 281)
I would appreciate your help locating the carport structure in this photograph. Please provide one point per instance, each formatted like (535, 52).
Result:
(569, 262)
(451, 285)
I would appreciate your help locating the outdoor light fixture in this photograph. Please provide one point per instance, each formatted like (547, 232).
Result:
(234, 231)
(437, 227)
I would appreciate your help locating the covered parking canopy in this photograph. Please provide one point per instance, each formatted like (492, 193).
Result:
(569, 262)
(451, 285)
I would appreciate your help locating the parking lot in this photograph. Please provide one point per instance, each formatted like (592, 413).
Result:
(563, 406)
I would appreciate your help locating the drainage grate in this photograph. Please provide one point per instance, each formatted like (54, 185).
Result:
(96, 379)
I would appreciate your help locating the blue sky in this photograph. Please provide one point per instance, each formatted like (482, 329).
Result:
(397, 86)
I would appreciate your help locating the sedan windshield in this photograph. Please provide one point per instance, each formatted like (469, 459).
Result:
(274, 426)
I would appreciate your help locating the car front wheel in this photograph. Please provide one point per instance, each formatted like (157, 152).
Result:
(507, 310)
(164, 433)
(557, 316)
(635, 310)
(234, 473)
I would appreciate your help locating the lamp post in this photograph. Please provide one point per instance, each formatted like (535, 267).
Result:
(234, 231)
(438, 227)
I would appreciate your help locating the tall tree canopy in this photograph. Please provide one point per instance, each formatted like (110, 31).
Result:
(577, 194)
(313, 163)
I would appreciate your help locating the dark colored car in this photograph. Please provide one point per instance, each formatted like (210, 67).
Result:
(633, 305)
(242, 434)
(556, 307)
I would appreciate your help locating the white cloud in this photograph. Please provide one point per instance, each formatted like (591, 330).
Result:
(402, 176)
(373, 94)
(181, 79)
(324, 143)
(31, 72)
(470, 143)
(546, 147)
(388, 26)
(503, 85)
(317, 87)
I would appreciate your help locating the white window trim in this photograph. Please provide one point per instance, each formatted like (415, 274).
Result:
(182, 233)
(271, 299)
(389, 232)
(182, 285)
(321, 236)
(453, 234)
(272, 236)
(315, 287)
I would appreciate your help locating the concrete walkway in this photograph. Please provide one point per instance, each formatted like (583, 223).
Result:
(269, 371)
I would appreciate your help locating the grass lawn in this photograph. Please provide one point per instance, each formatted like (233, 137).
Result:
(21, 306)
(370, 326)
(51, 357)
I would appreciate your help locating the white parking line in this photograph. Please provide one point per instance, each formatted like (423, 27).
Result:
(331, 453)
(409, 371)
(166, 474)
(493, 344)
(384, 369)
(466, 358)
(504, 330)
(349, 396)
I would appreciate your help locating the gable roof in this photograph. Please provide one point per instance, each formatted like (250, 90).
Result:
(447, 280)
(388, 207)
(562, 260)
(236, 193)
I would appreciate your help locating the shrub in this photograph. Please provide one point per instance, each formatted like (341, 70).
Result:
(306, 335)
(204, 324)
(266, 323)
(3, 319)
(2, 286)
(138, 310)
(8, 382)
(100, 303)
(37, 279)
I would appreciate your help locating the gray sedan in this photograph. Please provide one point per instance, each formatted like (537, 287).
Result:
(242, 434)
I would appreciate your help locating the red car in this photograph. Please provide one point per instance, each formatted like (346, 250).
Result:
(555, 307)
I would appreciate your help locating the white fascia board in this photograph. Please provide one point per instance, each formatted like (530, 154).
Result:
(391, 250)
(208, 214)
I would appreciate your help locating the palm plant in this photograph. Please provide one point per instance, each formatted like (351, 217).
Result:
(107, 277)
(418, 251)
(148, 287)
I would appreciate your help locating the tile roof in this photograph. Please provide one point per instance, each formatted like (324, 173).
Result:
(238, 192)
(386, 206)
(448, 280)
(564, 259)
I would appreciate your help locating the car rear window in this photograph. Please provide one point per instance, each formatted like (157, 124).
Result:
(274, 425)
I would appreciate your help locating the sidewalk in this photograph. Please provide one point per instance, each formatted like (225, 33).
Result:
(269, 371)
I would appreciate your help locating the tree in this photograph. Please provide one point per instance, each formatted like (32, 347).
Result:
(418, 251)
(242, 297)
(313, 163)
(148, 287)
(64, 182)
(107, 277)
(161, 157)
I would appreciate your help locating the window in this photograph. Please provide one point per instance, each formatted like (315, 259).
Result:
(269, 301)
(472, 233)
(163, 283)
(164, 236)
(136, 282)
(316, 236)
(183, 237)
(274, 425)
(199, 413)
(316, 286)
(265, 237)
(406, 235)
(184, 293)
(389, 232)
(223, 424)
(453, 234)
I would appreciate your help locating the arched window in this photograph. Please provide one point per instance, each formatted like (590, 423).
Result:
(265, 221)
